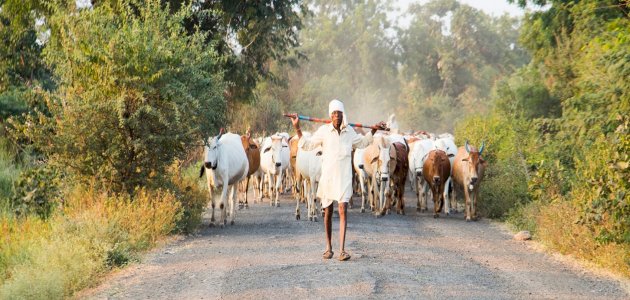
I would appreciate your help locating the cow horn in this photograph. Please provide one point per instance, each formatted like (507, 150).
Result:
(467, 149)
(481, 149)
(220, 134)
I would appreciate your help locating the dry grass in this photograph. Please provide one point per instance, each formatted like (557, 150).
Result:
(557, 228)
(94, 233)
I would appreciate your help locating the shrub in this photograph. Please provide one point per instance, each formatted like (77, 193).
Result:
(36, 191)
(133, 90)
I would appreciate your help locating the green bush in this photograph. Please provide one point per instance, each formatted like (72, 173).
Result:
(133, 89)
(9, 172)
(36, 191)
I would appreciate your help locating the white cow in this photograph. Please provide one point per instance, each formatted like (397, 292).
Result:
(417, 156)
(226, 165)
(447, 144)
(309, 165)
(274, 160)
(358, 163)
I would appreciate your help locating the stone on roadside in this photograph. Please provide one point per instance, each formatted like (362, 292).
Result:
(523, 236)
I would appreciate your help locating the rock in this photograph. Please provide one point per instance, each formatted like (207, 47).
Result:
(523, 236)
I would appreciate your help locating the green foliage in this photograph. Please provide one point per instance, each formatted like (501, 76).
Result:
(525, 95)
(36, 191)
(9, 172)
(580, 179)
(249, 34)
(146, 88)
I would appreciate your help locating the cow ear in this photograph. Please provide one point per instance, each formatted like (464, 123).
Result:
(374, 159)
(267, 149)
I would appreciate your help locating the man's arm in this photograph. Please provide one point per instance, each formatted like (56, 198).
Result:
(306, 143)
(361, 142)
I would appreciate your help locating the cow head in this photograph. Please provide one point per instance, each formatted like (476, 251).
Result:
(474, 164)
(275, 147)
(384, 157)
(211, 151)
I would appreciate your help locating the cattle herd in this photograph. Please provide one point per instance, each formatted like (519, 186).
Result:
(433, 165)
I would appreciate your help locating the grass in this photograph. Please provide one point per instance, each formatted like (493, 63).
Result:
(94, 233)
(557, 228)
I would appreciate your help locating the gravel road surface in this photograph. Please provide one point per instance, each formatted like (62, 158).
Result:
(267, 254)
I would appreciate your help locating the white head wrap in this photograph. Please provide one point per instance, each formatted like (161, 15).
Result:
(338, 105)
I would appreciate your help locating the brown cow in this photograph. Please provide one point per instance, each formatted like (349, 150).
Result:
(253, 157)
(436, 169)
(379, 160)
(399, 176)
(468, 170)
(296, 187)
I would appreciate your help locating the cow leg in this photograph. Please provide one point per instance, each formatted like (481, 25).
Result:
(232, 202)
(278, 188)
(447, 205)
(212, 220)
(362, 186)
(468, 204)
(270, 188)
(313, 193)
(474, 198)
(381, 201)
(401, 203)
(453, 199)
(388, 197)
(297, 205)
(246, 189)
(417, 185)
(222, 205)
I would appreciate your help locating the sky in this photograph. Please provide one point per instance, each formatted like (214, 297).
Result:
(492, 7)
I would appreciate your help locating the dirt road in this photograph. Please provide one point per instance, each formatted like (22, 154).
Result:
(268, 254)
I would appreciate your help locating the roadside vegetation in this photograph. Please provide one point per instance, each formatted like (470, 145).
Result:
(101, 109)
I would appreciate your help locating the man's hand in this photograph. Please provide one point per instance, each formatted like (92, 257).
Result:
(294, 120)
(296, 124)
(379, 126)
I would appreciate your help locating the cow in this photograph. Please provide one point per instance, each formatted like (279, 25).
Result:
(447, 144)
(468, 171)
(417, 157)
(358, 164)
(436, 169)
(378, 163)
(274, 160)
(399, 175)
(225, 163)
(253, 157)
(298, 193)
(309, 167)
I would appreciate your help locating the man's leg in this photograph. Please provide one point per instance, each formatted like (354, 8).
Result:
(328, 212)
(343, 207)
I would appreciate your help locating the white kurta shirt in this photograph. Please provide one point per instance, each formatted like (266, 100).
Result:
(336, 181)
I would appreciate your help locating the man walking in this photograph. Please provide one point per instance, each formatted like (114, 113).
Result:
(337, 140)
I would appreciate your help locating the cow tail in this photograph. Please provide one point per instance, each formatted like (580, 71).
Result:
(201, 171)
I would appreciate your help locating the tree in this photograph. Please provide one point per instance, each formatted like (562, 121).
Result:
(133, 91)
(451, 56)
